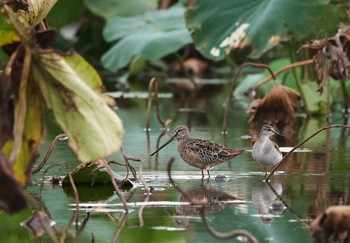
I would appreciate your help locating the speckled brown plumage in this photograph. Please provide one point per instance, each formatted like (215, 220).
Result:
(201, 153)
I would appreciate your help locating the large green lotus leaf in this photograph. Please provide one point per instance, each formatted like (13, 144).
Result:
(83, 176)
(112, 8)
(316, 103)
(94, 130)
(72, 10)
(153, 35)
(221, 27)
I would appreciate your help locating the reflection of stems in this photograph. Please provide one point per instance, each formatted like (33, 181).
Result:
(194, 201)
(284, 203)
(154, 83)
(142, 179)
(125, 206)
(203, 201)
(85, 220)
(148, 141)
(121, 225)
(228, 235)
(229, 99)
(157, 146)
(49, 151)
(76, 197)
(148, 194)
(301, 143)
(118, 192)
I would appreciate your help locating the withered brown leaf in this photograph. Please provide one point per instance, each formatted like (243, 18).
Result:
(331, 56)
(278, 107)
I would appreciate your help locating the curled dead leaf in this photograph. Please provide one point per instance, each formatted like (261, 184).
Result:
(191, 66)
(331, 56)
(278, 107)
(332, 224)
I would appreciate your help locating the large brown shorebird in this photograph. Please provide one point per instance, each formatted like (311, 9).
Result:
(201, 153)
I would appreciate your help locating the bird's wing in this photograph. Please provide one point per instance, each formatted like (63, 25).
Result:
(203, 146)
(276, 147)
(213, 149)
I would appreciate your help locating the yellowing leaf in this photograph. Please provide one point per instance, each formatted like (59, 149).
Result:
(37, 10)
(31, 139)
(8, 33)
(94, 130)
(85, 71)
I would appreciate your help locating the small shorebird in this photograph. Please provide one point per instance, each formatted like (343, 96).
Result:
(201, 153)
(265, 151)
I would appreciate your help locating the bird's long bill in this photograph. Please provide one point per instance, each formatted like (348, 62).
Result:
(169, 141)
(279, 134)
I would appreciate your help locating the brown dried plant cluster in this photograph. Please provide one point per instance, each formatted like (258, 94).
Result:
(331, 56)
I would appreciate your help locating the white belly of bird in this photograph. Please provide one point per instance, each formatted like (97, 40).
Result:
(266, 157)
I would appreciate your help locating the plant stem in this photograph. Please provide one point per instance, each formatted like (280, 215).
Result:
(229, 99)
(346, 97)
(301, 143)
(291, 53)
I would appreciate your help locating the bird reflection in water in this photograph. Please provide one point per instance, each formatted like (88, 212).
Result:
(216, 201)
(265, 196)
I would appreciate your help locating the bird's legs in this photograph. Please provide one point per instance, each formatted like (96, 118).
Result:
(203, 174)
(265, 174)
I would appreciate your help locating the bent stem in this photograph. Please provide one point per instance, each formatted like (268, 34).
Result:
(279, 71)
(285, 68)
(128, 165)
(48, 153)
(153, 84)
(229, 99)
(301, 143)
(228, 235)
